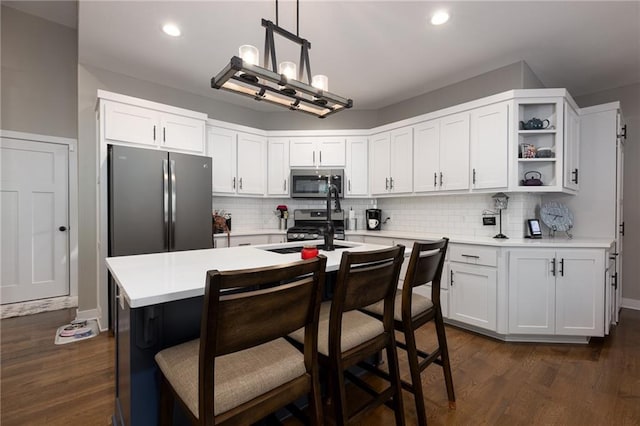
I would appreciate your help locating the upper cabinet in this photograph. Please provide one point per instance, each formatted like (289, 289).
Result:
(357, 167)
(391, 160)
(278, 166)
(490, 147)
(539, 128)
(173, 130)
(441, 154)
(239, 162)
(571, 148)
(317, 152)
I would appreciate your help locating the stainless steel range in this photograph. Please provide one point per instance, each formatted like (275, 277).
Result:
(310, 224)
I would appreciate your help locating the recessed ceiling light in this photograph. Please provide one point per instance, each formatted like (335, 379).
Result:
(440, 17)
(171, 29)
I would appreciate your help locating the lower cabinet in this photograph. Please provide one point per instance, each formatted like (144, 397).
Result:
(557, 292)
(473, 285)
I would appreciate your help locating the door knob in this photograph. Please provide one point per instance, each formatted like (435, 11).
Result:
(62, 228)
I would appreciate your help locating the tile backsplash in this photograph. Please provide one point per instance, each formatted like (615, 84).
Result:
(448, 215)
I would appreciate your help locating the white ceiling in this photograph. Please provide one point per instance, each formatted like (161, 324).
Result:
(375, 52)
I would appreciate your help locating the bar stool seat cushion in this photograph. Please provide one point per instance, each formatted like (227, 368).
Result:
(419, 304)
(239, 377)
(357, 328)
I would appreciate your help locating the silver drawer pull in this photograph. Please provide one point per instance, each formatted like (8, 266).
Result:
(471, 256)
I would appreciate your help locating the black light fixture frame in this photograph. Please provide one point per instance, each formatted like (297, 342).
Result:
(319, 103)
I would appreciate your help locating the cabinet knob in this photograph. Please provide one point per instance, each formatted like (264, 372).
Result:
(62, 228)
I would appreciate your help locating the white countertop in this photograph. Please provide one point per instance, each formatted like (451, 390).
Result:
(149, 279)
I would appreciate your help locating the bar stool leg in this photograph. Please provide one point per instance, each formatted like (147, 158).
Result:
(416, 380)
(394, 373)
(446, 364)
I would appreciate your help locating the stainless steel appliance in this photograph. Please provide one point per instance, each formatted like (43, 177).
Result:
(314, 183)
(373, 219)
(310, 224)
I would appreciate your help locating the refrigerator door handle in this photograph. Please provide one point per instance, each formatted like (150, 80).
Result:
(173, 203)
(165, 200)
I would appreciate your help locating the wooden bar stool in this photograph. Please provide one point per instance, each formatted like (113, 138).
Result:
(241, 368)
(412, 311)
(347, 336)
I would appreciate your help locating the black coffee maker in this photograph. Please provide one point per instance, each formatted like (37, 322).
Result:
(373, 219)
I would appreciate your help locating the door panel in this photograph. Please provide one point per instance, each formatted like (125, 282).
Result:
(132, 124)
(380, 170)
(454, 152)
(222, 149)
(426, 159)
(34, 196)
(489, 146)
(184, 133)
(136, 201)
(192, 215)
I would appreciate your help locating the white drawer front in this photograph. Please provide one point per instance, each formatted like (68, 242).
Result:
(476, 255)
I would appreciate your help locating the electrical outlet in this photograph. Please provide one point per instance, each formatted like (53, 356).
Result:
(491, 220)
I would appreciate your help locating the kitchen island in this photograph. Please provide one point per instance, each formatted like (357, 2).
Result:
(159, 300)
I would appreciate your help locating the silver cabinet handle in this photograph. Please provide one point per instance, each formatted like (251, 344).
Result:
(562, 267)
(386, 183)
(473, 256)
(474, 176)
(553, 267)
(451, 278)
(240, 182)
(391, 183)
(165, 200)
(320, 157)
(154, 132)
(435, 179)
(234, 183)
(440, 178)
(284, 185)
(172, 167)
(349, 183)
(314, 157)
(164, 134)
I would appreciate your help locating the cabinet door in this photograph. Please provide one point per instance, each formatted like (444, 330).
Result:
(182, 133)
(278, 166)
(489, 146)
(571, 148)
(380, 166)
(580, 292)
(532, 292)
(473, 295)
(221, 147)
(356, 168)
(401, 177)
(454, 152)
(426, 156)
(331, 152)
(131, 124)
(302, 152)
(251, 164)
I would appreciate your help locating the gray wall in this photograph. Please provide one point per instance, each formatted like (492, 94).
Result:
(629, 97)
(39, 80)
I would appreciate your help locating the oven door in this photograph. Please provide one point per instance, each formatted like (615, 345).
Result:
(314, 183)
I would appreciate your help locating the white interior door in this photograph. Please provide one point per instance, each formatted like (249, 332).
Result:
(34, 220)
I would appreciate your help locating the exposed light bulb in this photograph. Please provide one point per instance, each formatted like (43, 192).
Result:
(249, 54)
(440, 17)
(288, 69)
(320, 82)
(171, 29)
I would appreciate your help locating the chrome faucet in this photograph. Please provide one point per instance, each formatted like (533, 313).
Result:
(330, 229)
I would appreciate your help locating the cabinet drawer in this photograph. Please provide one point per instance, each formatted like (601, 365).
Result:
(475, 255)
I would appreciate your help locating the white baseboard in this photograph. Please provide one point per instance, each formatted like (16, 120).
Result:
(86, 315)
(631, 303)
(37, 306)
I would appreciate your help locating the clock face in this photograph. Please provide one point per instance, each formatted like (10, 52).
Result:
(556, 216)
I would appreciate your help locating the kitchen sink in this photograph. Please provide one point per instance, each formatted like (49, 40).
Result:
(298, 249)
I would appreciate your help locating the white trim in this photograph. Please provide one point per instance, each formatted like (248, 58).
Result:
(117, 97)
(37, 306)
(72, 200)
(89, 314)
(631, 303)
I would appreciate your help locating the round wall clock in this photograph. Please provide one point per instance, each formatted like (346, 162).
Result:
(557, 216)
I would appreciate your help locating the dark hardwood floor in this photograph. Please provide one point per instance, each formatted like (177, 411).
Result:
(495, 382)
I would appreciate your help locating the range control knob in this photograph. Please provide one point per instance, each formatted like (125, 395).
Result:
(314, 236)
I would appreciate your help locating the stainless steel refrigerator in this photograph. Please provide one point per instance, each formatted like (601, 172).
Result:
(158, 201)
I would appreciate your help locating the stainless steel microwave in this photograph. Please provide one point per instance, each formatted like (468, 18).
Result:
(314, 183)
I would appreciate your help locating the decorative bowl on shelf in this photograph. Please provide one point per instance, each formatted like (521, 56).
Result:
(545, 153)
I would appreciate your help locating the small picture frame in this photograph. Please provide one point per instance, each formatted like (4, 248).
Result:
(534, 229)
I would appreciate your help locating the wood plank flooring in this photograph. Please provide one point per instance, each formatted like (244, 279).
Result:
(495, 382)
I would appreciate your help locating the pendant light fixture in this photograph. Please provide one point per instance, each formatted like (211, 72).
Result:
(280, 84)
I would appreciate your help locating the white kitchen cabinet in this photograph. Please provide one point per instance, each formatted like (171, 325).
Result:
(441, 160)
(473, 285)
(239, 161)
(146, 127)
(278, 166)
(391, 162)
(556, 292)
(357, 167)
(571, 148)
(249, 240)
(317, 152)
(490, 146)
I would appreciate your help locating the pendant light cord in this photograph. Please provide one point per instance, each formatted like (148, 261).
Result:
(297, 17)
